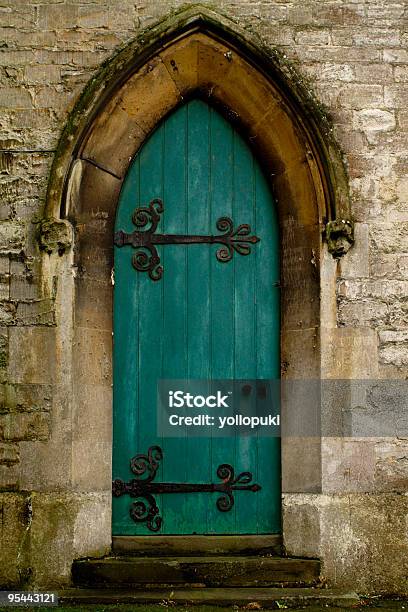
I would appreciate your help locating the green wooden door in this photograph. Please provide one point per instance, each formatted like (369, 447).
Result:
(203, 320)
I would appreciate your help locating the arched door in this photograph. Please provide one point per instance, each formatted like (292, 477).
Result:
(203, 319)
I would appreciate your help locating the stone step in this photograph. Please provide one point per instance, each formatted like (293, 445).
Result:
(220, 571)
(197, 545)
(248, 598)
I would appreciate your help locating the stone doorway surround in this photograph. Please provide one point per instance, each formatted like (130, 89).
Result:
(193, 53)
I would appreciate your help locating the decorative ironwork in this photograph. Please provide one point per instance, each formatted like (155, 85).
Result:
(145, 508)
(147, 259)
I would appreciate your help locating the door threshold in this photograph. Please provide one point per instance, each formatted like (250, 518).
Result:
(186, 545)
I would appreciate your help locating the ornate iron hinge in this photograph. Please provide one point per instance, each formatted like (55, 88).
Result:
(147, 259)
(145, 467)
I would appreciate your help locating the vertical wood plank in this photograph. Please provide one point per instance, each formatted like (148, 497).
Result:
(174, 283)
(268, 358)
(150, 310)
(222, 304)
(199, 264)
(244, 326)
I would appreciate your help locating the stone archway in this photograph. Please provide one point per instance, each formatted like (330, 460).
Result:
(193, 54)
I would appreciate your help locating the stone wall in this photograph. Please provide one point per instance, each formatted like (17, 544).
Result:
(354, 57)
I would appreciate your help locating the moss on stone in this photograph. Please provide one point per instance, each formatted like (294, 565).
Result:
(339, 236)
(54, 235)
(272, 60)
(3, 359)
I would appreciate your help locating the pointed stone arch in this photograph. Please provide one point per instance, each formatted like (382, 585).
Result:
(194, 53)
(199, 53)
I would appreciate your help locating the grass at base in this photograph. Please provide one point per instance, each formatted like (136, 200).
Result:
(391, 605)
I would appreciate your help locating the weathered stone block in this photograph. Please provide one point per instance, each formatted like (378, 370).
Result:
(300, 450)
(340, 54)
(395, 353)
(354, 289)
(32, 355)
(391, 468)
(316, 37)
(98, 418)
(301, 525)
(51, 16)
(400, 335)
(364, 73)
(282, 34)
(354, 522)
(34, 128)
(402, 191)
(32, 39)
(366, 311)
(348, 14)
(7, 313)
(57, 525)
(374, 120)
(51, 536)
(24, 282)
(9, 476)
(91, 295)
(38, 312)
(390, 14)
(395, 55)
(93, 16)
(46, 465)
(350, 353)
(90, 59)
(300, 15)
(12, 235)
(9, 453)
(396, 96)
(23, 426)
(92, 525)
(384, 37)
(4, 278)
(16, 58)
(25, 398)
(401, 74)
(93, 356)
(361, 96)
(348, 465)
(13, 540)
(15, 97)
(389, 237)
(383, 265)
(336, 72)
(53, 97)
(3, 352)
(42, 73)
(349, 528)
(297, 344)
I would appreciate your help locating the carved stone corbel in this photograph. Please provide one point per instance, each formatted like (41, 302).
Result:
(55, 235)
(339, 235)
